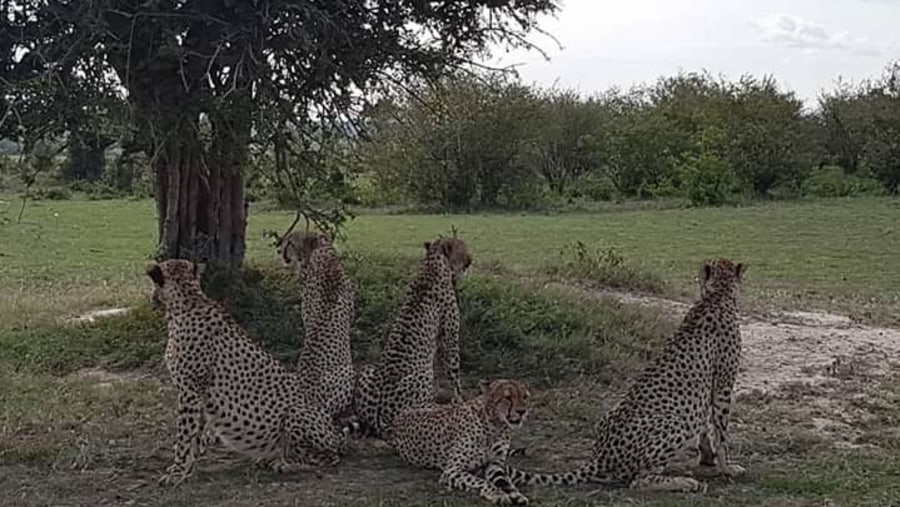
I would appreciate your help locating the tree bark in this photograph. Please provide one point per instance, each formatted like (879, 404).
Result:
(200, 199)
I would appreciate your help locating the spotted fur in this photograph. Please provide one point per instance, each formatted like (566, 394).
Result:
(427, 326)
(327, 307)
(228, 385)
(685, 394)
(467, 441)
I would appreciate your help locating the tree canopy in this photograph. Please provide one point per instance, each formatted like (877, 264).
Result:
(202, 79)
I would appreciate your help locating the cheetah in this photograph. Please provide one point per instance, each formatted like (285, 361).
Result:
(327, 307)
(467, 441)
(683, 396)
(229, 386)
(427, 327)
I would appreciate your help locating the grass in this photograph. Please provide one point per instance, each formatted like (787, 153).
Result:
(86, 414)
(837, 255)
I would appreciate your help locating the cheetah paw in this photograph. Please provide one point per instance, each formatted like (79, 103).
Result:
(694, 486)
(732, 470)
(174, 476)
(685, 485)
(516, 498)
(497, 498)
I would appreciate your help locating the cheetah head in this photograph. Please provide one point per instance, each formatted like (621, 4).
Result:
(506, 401)
(172, 279)
(296, 247)
(721, 274)
(456, 252)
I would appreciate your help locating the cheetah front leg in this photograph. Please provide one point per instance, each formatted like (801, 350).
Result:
(717, 453)
(656, 482)
(189, 425)
(457, 477)
(457, 474)
(497, 473)
(707, 453)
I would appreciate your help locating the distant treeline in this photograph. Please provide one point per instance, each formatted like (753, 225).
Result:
(490, 141)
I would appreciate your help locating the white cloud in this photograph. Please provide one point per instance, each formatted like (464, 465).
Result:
(798, 33)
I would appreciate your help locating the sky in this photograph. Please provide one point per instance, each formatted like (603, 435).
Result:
(805, 44)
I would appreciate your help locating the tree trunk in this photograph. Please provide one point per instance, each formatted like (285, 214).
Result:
(200, 199)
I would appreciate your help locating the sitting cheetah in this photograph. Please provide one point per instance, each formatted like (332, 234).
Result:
(468, 441)
(683, 394)
(429, 320)
(230, 386)
(325, 365)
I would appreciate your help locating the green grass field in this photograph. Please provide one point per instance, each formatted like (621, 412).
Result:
(86, 411)
(837, 255)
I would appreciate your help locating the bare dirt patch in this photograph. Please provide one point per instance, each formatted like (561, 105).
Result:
(95, 315)
(785, 348)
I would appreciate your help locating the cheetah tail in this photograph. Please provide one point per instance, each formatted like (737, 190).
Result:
(586, 473)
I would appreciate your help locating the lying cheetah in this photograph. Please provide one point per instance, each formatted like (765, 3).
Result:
(428, 324)
(467, 441)
(325, 365)
(230, 386)
(677, 399)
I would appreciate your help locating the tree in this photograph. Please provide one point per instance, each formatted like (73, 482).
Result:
(247, 70)
(458, 143)
(569, 141)
(767, 145)
(639, 144)
(863, 126)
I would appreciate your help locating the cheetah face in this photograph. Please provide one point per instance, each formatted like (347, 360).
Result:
(507, 401)
(721, 275)
(456, 252)
(172, 279)
(298, 246)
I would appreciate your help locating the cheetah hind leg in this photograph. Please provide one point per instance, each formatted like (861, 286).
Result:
(653, 482)
(313, 437)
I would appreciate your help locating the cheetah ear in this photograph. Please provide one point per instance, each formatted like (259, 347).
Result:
(155, 274)
(705, 272)
(325, 239)
(447, 248)
(199, 269)
(484, 385)
(427, 245)
(739, 270)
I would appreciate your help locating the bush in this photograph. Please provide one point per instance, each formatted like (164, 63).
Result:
(595, 188)
(97, 190)
(50, 194)
(832, 181)
(605, 267)
(707, 180)
(371, 192)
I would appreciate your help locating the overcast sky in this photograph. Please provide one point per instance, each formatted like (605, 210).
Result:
(805, 44)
